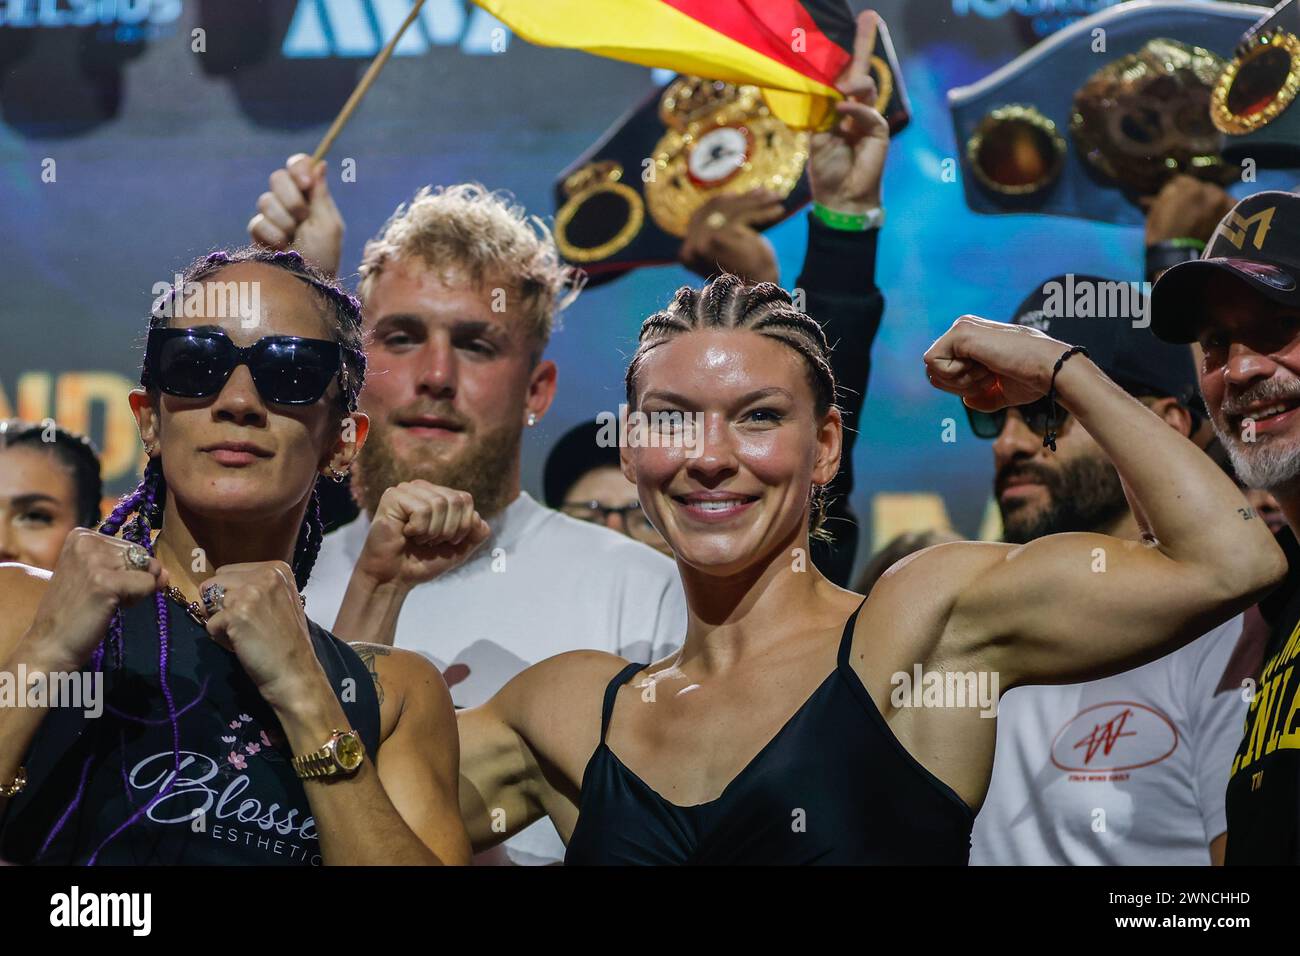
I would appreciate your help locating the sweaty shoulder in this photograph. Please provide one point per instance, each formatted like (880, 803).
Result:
(566, 689)
(21, 590)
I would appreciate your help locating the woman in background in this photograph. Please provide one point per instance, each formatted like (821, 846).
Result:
(49, 484)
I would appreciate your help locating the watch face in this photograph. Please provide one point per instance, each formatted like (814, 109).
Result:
(349, 751)
(718, 155)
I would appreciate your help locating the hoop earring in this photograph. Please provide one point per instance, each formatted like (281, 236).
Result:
(336, 476)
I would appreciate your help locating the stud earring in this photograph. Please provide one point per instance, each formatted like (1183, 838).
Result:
(532, 419)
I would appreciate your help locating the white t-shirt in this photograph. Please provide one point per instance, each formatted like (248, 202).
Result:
(1128, 770)
(543, 584)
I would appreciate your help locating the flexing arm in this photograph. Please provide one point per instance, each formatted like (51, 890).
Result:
(499, 776)
(419, 755)
(523, 753)
(1072, 607)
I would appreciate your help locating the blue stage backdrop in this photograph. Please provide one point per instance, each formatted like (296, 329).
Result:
(124, 153)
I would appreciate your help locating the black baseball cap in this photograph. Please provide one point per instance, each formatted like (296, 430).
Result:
(1257, 243)
(578, 451)
(1108, 317)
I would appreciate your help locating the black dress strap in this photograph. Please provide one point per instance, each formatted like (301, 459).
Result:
(607, 709)
(846, 641)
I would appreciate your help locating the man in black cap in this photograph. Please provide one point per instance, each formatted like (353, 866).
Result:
(1241, 303)
(1130, 769)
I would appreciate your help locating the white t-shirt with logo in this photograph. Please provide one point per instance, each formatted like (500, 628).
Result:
(543, 584)
(1128, 770)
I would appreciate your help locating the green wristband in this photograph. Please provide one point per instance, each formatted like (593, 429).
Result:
(846, 221)
(1187, 244)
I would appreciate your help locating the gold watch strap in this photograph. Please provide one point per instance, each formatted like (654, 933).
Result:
(17, 786)
(325, 762)
(318, 763)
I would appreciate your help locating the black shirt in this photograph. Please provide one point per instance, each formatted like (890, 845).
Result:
(1263, 803)
(236, 799)
(833, 787)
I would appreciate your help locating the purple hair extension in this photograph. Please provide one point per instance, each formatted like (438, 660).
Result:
(141, 502)
(164, 615)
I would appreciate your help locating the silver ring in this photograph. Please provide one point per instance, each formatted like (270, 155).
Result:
(213, 596)
(137, 558)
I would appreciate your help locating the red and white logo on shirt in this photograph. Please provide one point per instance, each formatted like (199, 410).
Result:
(1105, 741)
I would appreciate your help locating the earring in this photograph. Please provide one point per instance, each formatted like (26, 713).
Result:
(337, 476)
(532, 419)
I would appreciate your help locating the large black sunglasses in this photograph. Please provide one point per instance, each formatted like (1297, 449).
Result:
(1038, 416)
(287, 370)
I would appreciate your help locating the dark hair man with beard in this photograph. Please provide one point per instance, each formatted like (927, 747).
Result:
(1130, 769)
(1241, 303)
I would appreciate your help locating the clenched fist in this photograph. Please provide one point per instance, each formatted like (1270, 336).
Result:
(298, 213)
(256, 612)
(992, 365)
(420, 530)
(91, 580)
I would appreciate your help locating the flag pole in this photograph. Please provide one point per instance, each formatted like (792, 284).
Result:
(363, 86)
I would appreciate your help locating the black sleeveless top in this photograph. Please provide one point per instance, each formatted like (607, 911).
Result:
(236, 799)
(834, 786)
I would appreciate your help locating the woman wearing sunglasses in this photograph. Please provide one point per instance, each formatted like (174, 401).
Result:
(801, 723)
(219, 725)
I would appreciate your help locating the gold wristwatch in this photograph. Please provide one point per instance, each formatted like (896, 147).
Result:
(341, 755)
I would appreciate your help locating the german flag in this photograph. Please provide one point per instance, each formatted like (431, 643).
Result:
(792, 49)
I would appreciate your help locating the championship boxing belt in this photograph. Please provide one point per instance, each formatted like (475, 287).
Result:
(1252, 101)
(627, 201)
(1100, 113)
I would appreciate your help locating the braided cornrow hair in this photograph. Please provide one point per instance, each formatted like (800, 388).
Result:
(343, 310)
(139, 514)
(728, 302)
(75, 452)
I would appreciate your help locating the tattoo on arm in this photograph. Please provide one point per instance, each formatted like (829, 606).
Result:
(367, 653)
(1247, 513)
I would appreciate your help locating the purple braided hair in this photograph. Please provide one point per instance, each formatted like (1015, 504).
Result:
(140, 513)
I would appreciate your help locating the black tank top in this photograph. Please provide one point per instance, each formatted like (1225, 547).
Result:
(236, 799)
(834, 786)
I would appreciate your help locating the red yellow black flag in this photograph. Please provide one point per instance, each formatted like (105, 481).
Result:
(792, 49)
